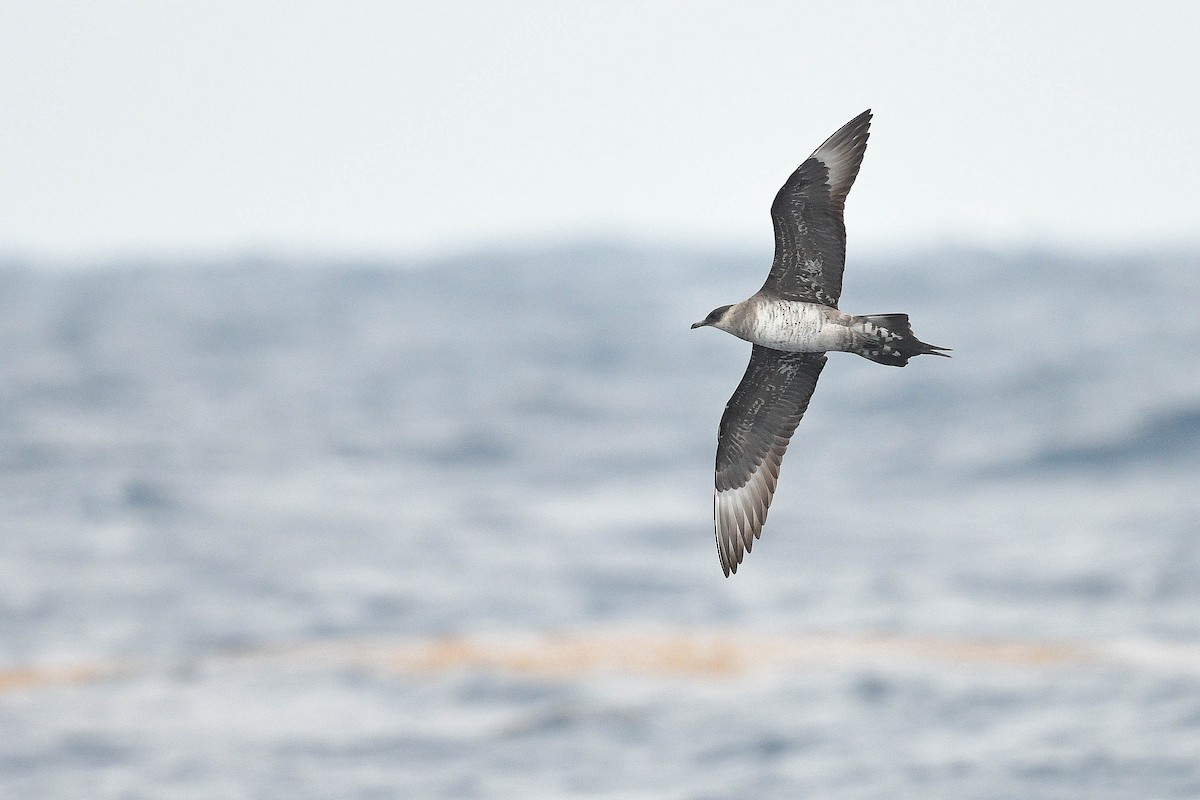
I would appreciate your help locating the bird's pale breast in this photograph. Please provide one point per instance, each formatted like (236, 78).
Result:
(797, 327)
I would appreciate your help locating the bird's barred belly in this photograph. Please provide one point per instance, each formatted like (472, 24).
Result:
(800, 327)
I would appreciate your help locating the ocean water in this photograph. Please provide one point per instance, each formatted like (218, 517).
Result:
(331, 529)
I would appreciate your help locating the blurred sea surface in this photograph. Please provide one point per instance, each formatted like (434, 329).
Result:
(336, 529)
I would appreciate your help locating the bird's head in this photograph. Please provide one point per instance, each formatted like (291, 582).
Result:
(715, 318)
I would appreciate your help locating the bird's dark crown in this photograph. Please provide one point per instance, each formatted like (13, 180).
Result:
(714, 316)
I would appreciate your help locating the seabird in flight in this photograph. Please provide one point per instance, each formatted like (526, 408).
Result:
(793, 320)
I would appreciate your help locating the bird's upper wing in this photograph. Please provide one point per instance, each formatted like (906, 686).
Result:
(755, 429)
(810, 236)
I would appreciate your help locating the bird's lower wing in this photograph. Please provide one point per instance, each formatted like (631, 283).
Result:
(755, 430)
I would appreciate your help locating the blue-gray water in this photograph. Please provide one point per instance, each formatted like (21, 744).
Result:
(218, 480)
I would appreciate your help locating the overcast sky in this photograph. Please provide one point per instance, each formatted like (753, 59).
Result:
(410, 128)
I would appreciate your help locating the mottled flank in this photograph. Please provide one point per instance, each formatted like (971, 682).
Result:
(889, 339)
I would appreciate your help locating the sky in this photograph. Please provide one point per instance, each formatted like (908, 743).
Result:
(416, 128)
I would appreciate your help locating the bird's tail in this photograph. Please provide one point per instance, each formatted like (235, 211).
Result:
(889, 339)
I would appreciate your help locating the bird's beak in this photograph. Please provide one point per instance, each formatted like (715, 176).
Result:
(699, 324)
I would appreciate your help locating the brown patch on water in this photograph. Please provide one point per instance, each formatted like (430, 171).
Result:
(26, 678)
(681, 655)
(697, 655)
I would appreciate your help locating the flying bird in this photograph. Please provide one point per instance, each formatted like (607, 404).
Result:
(792, 321)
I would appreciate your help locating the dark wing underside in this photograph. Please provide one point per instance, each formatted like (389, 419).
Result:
(755, 430)
(810, 236)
